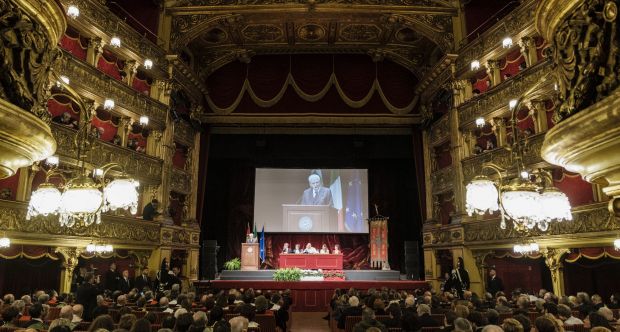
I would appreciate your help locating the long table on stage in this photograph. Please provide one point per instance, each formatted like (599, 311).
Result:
(312, 261)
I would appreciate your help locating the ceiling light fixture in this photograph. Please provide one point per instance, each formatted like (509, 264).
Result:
(5, 242)
(480, 122)
(108, 104)
(526, 248)
(507, 42)
(73, 11)
(475, 65)
(144, 120)
(148, 64)
(115, 42)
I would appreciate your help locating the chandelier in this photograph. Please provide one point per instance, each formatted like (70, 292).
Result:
(5, 242)
(83, 196)
(526, 248)
(529, 199)
(99, 248)
(617, 244)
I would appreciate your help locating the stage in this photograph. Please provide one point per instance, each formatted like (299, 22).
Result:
(311, 295)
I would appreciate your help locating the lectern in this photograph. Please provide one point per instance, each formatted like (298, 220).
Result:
(249, 256)
(305, 218)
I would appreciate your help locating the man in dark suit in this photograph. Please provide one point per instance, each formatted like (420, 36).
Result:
(125, 284)
(494, 283)
(173, 277)
(424, 317)
(87, 295)
(316, 194)
(354, 309)
(409, 318)
(36, 322)
(143, 280)
(112, 278)
(285, 249)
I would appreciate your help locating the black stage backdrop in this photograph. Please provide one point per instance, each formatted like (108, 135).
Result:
(393, 186)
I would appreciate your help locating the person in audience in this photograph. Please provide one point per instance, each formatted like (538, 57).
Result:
(8, 298)
(608, 314)
(614, 301)
(336, 250)
(200, 322)
(216, 318)
(111, 278)
(550, 308)
(125, 284)
(368, 321)
(66, 312)
(141, 325)
(78, 311)
(600, 329)
(10, 316)
(163, 305)
(477, 319)
(101, 308)
(395, 315)
(324, 249)
(183, 321)
(143, 280)
(352, 310)
(310, 249)
(36, 315)
(584, 306)
(462, 325)
(238, 324)
(66, 120)
(492, 328)
(502, 305)
(151, 316)
(494, 283)
(525, 322)
(410, 316)
(168, 322)
(126, 321)
(547, 324)
(150, 210)
(424, 317)
(565, 314)
(512, 325)
(297, 249)
(87, 295)
(597, 302)
(379, 307)
(102, 322)
(262, 305)
(492, 317)
(285, 249)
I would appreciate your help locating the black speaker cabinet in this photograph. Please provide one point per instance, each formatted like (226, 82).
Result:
(412, 260)
(209, 254)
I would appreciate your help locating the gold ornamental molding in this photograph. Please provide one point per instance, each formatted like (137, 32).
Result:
(502, 158)
(447, 236)
(143, 167)
(184, 133)
(440, 130)
(525, 84)
(98, 21)
(590, 224)
(24, 139)
(48, 14)
(124, 231)
(550, 14)
(180, 181)
(187, 78)
(312, 119)
(442, 180)
(516, 25)
(92, 83)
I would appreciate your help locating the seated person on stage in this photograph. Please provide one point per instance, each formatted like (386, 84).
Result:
(324, 249)
(337, 249)
(286, 249)
(310, 249)
(297, 249)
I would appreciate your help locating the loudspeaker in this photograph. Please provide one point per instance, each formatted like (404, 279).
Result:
(209, 254)
(412, 260)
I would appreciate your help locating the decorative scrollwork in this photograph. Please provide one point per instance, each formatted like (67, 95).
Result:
(586, 56)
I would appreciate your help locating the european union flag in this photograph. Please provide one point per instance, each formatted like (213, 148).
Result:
(261, 242)
(354, 218)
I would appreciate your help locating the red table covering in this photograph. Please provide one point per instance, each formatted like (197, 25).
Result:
(312, 261)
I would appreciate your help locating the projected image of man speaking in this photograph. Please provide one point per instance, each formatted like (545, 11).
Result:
(316, 194)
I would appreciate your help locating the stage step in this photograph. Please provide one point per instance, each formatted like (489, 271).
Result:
(358, 275)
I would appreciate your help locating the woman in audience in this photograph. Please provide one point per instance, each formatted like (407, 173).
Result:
(336, 250)
(102, 322)
(141, 325)
(262, 306)
(324, 249)
(127, 321)
(512, 325)
(595, 319)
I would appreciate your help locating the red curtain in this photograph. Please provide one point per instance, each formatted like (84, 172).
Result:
(75, 44)
(593, 253)
(355, 74)
(579, 191)
(102, 264)
(446, 203)
(484, 135)
(57, 105)
(179, 157)
(481, 82)
(22, 276)
(526, 273)
(141, 83)
(443, 156)
(354, 247)
(510, 65)
(107, 125)
(39, 178)
(140, 141)
(8, 186)
(110, 65)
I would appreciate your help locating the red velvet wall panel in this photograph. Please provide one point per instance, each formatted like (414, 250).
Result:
(141, 15)
(140, 141)
(525, 273)
(108, 63)
(447, 208)
(58, 105)
(179, 157)
(75, 44)
(510, 65)
(141, 84)
(106, 124)
(484, 136)
(578, 190)
(8, 187)
(481, 82)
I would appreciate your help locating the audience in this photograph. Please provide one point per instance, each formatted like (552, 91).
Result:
(369, 321)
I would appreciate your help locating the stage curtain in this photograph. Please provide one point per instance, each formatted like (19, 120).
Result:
(107, 122)
(418, 156)
(180, 156)
(481, 82)
(530, 274)
(20, 275)
(141, 83)
(593, 275)
(109, 64)
(443, 156)
(510, 65)
(354, 247)
(11, 183)
(75, 44)
(579, 191)
(341, 84)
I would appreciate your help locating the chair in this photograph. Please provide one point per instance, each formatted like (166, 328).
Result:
(161, 316)
(139, 314)
(350, 322)
(230, 316)
(504, 316)
(394, 329)
(82, 326)
(575, 328)
(253, 329)
(114, 314)
(267, 323)
(53, 313)
(9, 328)
(432, 329)
(533, 315)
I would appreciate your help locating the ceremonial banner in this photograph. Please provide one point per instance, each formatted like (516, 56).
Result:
(379, 242)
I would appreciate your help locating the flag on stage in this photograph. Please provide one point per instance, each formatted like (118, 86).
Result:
(247, 231)
(336, 189)
(354, 217)
(255, 234)
(261, 245)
